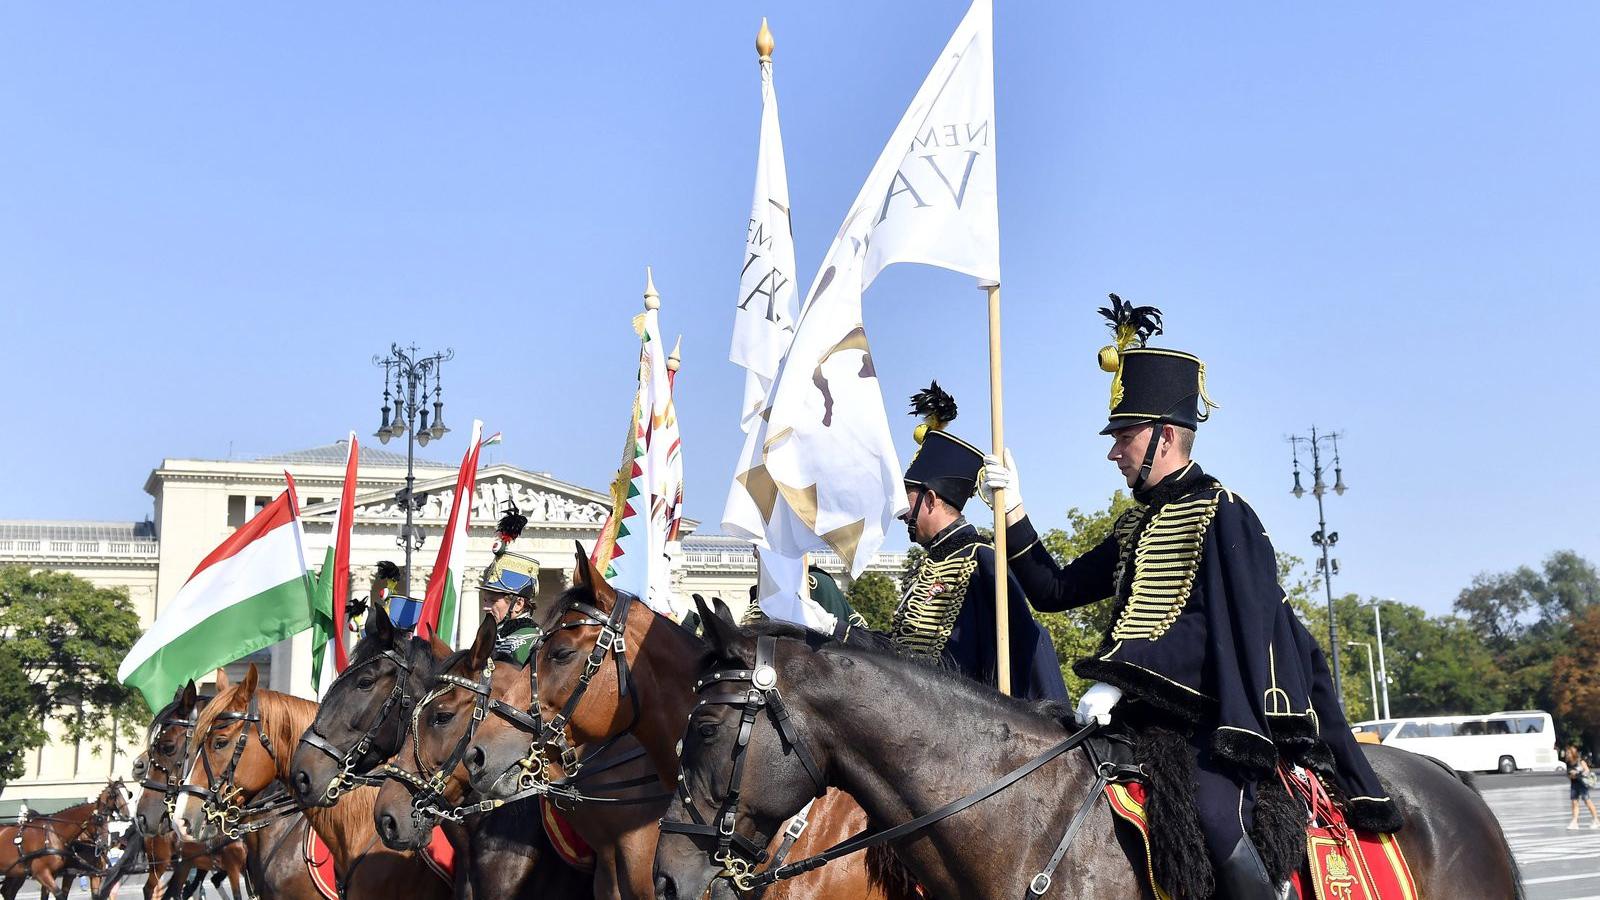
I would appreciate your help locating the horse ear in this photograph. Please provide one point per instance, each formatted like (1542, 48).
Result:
(379, 624)
(483, 645)
(605, 597)
(222, 681)
(251, 679)
(720, 633)
(722, 610)
(582, 571)
(186, 696)
(438, 647)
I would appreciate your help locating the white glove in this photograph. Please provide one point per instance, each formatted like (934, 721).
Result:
(998, 477)
(1096, 703)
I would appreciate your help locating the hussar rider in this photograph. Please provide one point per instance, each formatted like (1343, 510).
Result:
(507, 592)
(1204, 651)
(948, 610)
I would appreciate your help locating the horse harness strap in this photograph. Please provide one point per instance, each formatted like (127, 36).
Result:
(347, 778)
(217, 796)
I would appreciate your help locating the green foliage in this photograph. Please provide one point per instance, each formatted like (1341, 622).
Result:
(68, 637)
(19, 727)
(914, 557)
(1076, 633)
(874, 596)
(1575, 677)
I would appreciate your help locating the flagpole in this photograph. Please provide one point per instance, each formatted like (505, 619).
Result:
(1002, 594)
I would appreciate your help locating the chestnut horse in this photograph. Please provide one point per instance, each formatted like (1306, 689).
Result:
(271, 855)
(365, 718)
(39, 855)
(905, 739)
(662, 661)
(82, 835)
(431, 774)
(241, 747)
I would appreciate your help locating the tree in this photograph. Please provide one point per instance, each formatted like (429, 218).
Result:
(873, 595)
(1575, 677)
(69, 637)
(1076, 633)
(19, 727)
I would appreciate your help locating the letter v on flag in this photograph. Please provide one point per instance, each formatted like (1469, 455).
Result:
(251, 592)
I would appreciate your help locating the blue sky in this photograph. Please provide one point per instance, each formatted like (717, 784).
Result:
(1378, 218)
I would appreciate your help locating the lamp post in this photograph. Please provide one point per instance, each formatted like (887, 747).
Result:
(410, 375)
(1372, 679)
(1322, 538)
(1383, 671)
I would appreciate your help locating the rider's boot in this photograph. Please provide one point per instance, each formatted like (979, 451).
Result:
(1243, 876)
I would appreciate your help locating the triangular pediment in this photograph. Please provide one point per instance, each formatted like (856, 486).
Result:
(544, 500)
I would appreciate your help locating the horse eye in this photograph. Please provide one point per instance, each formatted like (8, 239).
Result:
(564, 653)
(443, 716)
(167, 749)
(366, 684)
(220, 743)
(708, 730)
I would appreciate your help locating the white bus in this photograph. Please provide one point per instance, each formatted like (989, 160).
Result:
(1498, 742)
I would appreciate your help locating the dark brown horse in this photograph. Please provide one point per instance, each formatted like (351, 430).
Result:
(365, 719)
(905, 739)
(431, 773)
(242, 744)
(662, 662)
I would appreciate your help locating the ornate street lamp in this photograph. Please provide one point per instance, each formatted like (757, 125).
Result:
(411, 374)
(1323, 539)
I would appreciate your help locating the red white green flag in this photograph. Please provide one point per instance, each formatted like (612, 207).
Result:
(444, 582)
(647, 494)
(333, 581)
(251, 592)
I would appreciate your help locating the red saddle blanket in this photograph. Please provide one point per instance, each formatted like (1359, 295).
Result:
(1341, 864)
(569, 845)
(439, 856)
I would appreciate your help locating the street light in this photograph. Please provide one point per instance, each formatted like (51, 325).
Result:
(1383, 671)
(1372, 678)
(411, 373)
(1322, 538)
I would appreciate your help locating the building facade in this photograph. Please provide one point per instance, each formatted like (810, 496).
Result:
(197, 503)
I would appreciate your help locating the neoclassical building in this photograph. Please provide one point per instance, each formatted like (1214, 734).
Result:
(197, 503)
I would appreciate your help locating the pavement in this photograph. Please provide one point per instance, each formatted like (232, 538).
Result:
(1533, 808)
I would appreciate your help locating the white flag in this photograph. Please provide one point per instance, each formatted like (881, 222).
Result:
(820, 469)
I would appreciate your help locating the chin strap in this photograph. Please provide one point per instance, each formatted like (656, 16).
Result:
(1149, 455)
(916, 509)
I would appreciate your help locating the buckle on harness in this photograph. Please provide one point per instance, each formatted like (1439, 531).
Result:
(1039, 884)
(609, 639)
(797, 827)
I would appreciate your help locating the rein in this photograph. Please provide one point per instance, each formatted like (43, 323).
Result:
(739, 855)
(219, 797)
(347, 778)
(173, 785)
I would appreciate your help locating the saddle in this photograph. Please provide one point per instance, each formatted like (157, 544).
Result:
(1330, 860)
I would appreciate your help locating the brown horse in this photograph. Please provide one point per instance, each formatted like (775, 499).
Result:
(662, 661)
(39, 855)
(905, 739)
(622, 834)
(365, 718)
(83, 835)
(241, 747)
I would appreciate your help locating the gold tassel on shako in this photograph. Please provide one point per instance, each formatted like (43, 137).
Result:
(936, 407)
(1130, 326)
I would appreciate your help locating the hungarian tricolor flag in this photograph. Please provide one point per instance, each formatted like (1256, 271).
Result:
(251, 592)
(333, 582)
(444, 582)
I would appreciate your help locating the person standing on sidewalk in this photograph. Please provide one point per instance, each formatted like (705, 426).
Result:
(1578, 778)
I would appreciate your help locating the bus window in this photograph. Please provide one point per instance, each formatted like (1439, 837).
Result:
(1530, 724)
(1496, 726)
(1383, 730)
(1470, 728)
(1441, 729)
(1413, 730)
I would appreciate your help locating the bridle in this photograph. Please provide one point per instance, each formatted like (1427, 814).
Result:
(739, 855)
(347, 778)
(220, 795)
(173, 785)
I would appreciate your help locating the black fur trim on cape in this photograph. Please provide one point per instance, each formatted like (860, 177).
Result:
(1148, 688)
(1373, 815)
(1177, 845)
(1253, 753)
(1279, 829)
(1292, 732)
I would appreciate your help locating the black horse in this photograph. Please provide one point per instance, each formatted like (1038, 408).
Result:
(365, 719)
(904, 739)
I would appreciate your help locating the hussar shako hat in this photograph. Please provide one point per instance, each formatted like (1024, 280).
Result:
(511, 573)
(1150, 384)
(944, 463)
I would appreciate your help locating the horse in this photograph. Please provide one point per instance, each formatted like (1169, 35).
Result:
(905, 738)
(649, 690)
(273, 874)
(83, 836)
(240, 750)
(431, 774)
(30, 849)
(364, 719)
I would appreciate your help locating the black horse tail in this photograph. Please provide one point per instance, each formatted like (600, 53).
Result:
(889, 875)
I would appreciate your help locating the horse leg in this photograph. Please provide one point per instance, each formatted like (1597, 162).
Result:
(9, 888)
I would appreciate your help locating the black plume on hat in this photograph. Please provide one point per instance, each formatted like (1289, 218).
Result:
(388, 571)
(933, 402)
(511, 524)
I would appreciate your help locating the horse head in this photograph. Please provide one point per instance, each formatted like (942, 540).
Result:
(753, 754)
(231, 761)
(427, 780)
(363, 717)
(166, 752)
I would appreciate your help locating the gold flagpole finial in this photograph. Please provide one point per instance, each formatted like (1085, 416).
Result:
(652, 300)
(764, 43)
(674, 360)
